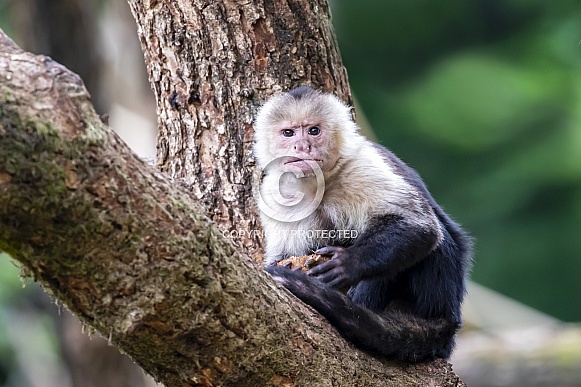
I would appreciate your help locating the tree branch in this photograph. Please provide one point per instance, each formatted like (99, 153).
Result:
(129, 252)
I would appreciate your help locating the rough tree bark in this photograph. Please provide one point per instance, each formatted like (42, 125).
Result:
(128, 250)
(89, 361)
(211, 63)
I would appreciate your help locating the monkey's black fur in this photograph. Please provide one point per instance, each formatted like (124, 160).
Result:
(406, 301)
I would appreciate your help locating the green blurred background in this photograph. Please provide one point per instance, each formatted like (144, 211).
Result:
(482, 97)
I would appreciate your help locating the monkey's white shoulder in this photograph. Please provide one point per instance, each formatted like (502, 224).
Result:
(367, 185)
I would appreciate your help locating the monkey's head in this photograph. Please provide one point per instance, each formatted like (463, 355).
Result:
(301, 127)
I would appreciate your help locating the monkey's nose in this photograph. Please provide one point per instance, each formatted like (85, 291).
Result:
(302, 146)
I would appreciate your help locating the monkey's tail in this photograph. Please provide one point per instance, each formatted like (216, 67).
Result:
(392, 334)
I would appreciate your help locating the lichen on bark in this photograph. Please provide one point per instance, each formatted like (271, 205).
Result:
(140, 256)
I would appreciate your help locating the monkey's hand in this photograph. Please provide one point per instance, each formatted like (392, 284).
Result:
(339, 272)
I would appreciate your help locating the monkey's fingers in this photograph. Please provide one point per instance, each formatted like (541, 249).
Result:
(322, 268)
(330, 277)
(327, 250)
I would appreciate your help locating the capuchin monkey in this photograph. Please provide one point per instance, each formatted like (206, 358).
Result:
(328, 190)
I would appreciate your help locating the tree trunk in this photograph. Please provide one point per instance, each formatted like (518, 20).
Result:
(90, 361)
(210, 65)
(129, 251)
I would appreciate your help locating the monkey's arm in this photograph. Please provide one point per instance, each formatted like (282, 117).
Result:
(390, 246)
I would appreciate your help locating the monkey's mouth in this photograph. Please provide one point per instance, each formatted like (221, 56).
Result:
(297, 160)
(306, 166)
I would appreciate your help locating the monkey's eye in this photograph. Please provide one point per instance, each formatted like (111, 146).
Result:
(288, 132)
(315, 131)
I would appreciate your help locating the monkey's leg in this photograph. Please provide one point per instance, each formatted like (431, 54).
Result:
(392, 334)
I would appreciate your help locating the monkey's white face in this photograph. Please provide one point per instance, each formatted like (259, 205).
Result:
(303, 143)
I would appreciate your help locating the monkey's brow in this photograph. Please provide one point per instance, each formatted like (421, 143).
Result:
(297, 125)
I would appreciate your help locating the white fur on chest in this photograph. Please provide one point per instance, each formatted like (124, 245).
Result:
(360, 189)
